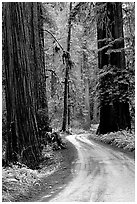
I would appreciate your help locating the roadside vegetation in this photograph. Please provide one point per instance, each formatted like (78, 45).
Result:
(18, 179)
(121, 139)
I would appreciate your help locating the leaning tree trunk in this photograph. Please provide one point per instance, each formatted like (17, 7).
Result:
(21, 100)
(114, 115)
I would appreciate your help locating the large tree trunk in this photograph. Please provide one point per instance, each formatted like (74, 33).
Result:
(37, 44)
(20, 69)
(38, 62)
(115, 114)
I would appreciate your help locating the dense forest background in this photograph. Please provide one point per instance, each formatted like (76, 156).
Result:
(65, 66)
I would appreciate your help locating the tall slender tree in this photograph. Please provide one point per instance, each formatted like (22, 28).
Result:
(66, 112)
(114, 106)
(23, 60)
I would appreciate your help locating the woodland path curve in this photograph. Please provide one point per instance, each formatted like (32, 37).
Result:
(100, 174)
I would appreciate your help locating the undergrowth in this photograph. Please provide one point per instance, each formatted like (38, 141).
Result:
(122, 139)
(18, 179)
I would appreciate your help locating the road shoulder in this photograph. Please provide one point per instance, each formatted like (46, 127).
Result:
(53, 184)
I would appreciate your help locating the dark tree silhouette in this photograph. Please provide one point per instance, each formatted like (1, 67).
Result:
(24, 69)
(114, 106)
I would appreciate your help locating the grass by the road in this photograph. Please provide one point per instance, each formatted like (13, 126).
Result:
(17, 180)
(122, 139)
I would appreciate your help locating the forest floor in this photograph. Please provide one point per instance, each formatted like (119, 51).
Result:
(23, 184)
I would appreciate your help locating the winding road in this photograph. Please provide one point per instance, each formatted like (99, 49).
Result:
(100, 174)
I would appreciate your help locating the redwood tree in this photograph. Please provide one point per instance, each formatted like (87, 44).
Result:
(113, 81)
(23, 62)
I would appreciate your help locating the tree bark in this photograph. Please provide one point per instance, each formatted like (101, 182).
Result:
(20, 69)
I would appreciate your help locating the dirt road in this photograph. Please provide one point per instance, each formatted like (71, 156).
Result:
(100, 174)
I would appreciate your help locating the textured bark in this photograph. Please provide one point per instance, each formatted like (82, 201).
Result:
(37, 44)
(115, 115)
(22, 43)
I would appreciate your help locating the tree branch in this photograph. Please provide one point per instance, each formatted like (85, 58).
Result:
(54, 38)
